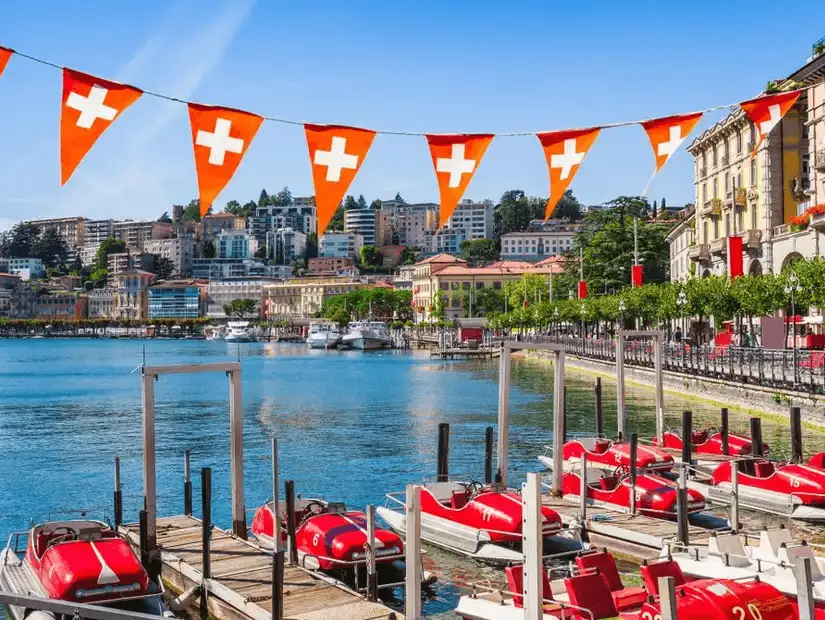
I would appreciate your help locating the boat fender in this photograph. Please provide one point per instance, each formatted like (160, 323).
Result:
(429, 578)
(186, 598)
(41, 615)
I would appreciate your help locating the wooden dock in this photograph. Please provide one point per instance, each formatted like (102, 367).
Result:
(636, 537)
(465, 353)
(240, 587)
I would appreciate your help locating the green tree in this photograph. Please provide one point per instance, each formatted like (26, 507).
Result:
(164, 267)
(263, 199)
(409, 255)
(376, 205)
(362, 202)
(20, 241)
(282, 198)
(312, 246)
(399, 199)
(513, 213)
(568, 207)
(370, 256)
(479, 251)
(50, 248)
(192, 211)
(98, 277)
(337, 221)
(209, 250)
(350, 203)
(111, 245)
(165, 218)
(241, 308)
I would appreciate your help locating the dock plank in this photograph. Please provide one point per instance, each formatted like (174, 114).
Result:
(243, 573)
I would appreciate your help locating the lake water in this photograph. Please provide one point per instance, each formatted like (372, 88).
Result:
(351, 426)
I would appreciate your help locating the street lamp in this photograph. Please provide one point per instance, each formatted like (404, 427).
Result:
(622, 308)
(790, 289)
(583, 312)
(681, 300)
(556, 319)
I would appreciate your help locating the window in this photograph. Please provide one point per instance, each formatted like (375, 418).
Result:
(497, 285)
(725, 146)
(715, 188)
(465, 286)
(739, 178)
(727, 225)
(479, 284)
(738, 141)
(714, 156)
(715, 227)
(753, 216)
(727, 183)
(705, 233)
(753, 171)
(454, 285)
(704, 192)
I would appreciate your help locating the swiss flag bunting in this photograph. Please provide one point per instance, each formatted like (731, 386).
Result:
(336, 154)
(220, 138)
(90, 106)
(455, 159)
(667, 134)
(767, 111)
(5, 55)
(564, 151)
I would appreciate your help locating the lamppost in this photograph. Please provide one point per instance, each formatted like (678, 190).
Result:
(583, 313)
(681, 300)
(556, 319)
(790, 289)
(622, 308)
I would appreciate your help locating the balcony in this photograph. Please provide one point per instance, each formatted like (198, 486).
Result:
(753, 193)
(740, 197)
(727, 203)
(699, 252)
(818, 220)
(706, 208)
(716, 206)
(720, 247)
(752, 239)
(819, 159)
(724, 160)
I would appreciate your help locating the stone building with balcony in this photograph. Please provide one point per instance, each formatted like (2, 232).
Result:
(756, 197)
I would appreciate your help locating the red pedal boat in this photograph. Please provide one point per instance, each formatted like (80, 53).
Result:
(605, 454)
(331, 538)
(80, 561)
(655, 495)
(789, 489)
(472, 519)
(710, 442)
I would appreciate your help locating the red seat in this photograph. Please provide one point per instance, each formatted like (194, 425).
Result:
(590, 591)
(603, 562)
(608, 483)
(763, 469)
(515, 580)
(699, 437)
(458, 500)
(666, 568)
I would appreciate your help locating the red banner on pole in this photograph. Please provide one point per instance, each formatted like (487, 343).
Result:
(735, 257)
(636, 277)
(582, 289)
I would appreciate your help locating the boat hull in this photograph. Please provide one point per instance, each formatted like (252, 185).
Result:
(760, 500)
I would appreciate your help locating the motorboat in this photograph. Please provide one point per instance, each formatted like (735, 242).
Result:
(323, 336)
(605, 454)
(333, 539)
(787, 489)
(78, 561)
(212, 332)
(239, 331)
(367, 336)
(771, 555)
(594, 590)
(478, 521)
(709, 441)
(655, 495)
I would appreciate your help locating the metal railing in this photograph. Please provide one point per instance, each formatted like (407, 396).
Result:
(802, 370)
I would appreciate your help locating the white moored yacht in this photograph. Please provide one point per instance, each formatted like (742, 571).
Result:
(323, 336)
(239, 331)
(367, 336)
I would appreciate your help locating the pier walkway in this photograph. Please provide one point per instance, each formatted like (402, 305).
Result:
(240, 586)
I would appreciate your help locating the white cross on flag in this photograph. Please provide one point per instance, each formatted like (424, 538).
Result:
(90, 105)
(455, 159)
(220, 137)
(565, 152)
(767, 111)
(667, 134)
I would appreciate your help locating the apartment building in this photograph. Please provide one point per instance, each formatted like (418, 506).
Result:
(179, 250)
(136, 233)
(102, 303)
(286, 245)
(26, 268)
(221, 292)
(680, 240)
(304, 297)
(412, 223)
(176, 300)
(96, 231)
(552, 238)
(474, 217)
(71, 229)
(222, 268)
(131, 296)
(299, 216)
(340, 245)
(235, 244)
(364, 222)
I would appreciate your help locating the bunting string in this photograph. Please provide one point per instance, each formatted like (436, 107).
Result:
(222, 135)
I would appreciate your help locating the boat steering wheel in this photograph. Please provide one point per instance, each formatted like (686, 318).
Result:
(312, 509)
(68, 535)
(621, 471)
(471, 489)
(712, 430)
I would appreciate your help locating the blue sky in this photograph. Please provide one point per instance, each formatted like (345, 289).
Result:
(433, 66)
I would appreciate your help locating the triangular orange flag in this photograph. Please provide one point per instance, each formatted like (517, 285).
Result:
(220, 137)
(336, 154)
(767, 111)
(455, 159)
(565, 151)
(89, 106)
(667, 134)
(5, 55)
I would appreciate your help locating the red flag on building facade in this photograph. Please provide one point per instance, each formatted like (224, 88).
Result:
(636, 276)
(582, 289)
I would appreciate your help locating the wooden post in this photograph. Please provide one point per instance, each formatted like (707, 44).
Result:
(634, 450)
(621, 414)
(503, 414)
(796, 435)
(276, 508)
(734, 491)
(143, 530)
(667, 598)
(206, 538)
(443, 465)
(412, 594)
(149, 477)
(488, 455)
(724, 431)
(599, 411)
(804, 588)
(277, 552)
(118, 495)
(682, 523)
(292, 548)
(187, 485)
(756, 437)
(660, 391)
(583, 490)
(687, 436)
(372, 574)
(278, 585)
(558, 422)
(236, 446)
(532, 547)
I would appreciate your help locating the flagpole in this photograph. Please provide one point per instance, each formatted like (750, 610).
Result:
(581, 264)
(635, 241)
